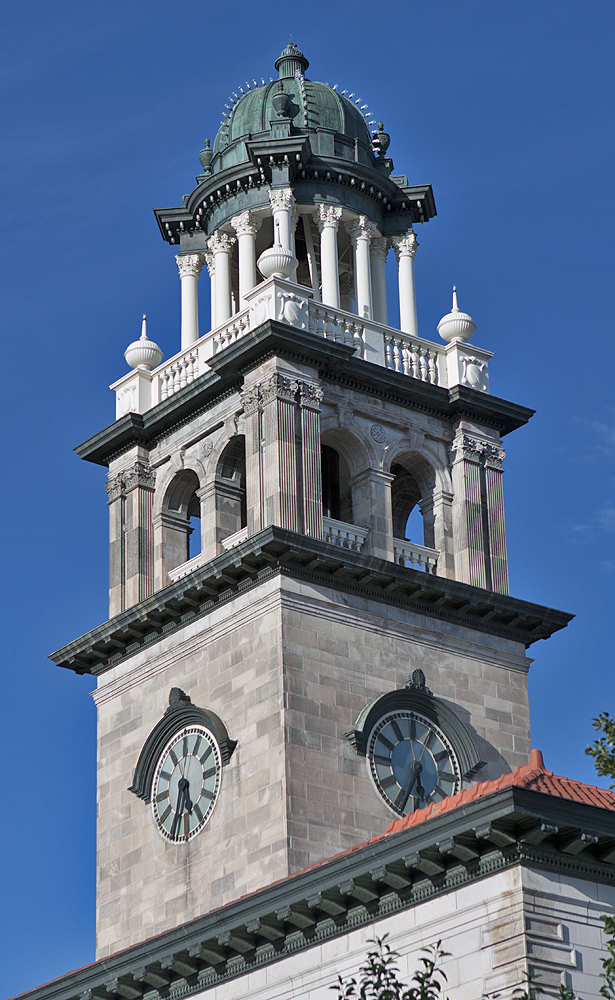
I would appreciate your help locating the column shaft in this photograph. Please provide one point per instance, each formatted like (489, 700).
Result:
(221, 245)
(246, 226)
(189, 266)
(405, 250)
(379, 249)
(328, 217)
(495, 518)
(360, 233)
(468, 528)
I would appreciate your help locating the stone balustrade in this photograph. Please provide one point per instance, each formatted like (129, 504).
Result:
(277, 299)
(349, 536)
(415, 556)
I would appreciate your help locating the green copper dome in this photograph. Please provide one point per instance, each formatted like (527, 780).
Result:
(310, 106)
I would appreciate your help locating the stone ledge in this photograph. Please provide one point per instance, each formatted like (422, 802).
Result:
(278, 551)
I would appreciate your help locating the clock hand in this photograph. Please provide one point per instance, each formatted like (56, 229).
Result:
(417, 767)
(179, 808)
(186, 789)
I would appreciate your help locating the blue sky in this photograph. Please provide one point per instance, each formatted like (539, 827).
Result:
(507, 109)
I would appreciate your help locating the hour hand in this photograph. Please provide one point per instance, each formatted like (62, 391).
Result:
(417, 767)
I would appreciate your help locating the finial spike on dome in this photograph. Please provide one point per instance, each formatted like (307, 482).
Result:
(144, 327)
(455, 306)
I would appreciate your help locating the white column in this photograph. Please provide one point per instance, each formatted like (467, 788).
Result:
(284, 212)
(189, 266)
(211, 267)
(246, 226)
(379, 249)
(361, 232)
(405, 248)
(328, 219)
(221, 245)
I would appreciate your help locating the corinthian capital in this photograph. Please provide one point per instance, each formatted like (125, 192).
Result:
(220, 242)
(328, 215)
(360, 229)
(115, 487)
(189, 264)
(405, 246)
(282, 200)
(279, 386)
(139, 475)
(379, 248)
(245, 224)
(211, 266)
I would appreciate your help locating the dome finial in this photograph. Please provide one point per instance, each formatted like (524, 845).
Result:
(456, 325)
(290, 60)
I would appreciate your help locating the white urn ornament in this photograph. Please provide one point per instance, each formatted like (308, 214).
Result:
(143, 353)
(456, 325)
(277, 261)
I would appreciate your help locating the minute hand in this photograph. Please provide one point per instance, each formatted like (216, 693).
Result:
(417, 767)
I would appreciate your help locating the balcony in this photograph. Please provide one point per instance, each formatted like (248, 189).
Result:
(444, 365)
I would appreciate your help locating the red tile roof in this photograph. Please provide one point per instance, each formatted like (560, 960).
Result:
(533, 775)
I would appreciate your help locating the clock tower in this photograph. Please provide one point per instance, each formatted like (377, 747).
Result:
(286, 669)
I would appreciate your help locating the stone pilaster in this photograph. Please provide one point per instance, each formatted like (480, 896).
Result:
(253, 418)
(478, 513)
(310, 397)
(468, 528)
(371, 507)
(278, 396)
(493, 458)
(221, 506)
(117, 574)
(131, 570)
(437, 511)
(171, 533)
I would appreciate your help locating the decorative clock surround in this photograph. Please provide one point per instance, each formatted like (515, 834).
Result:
(181, 715)
(417, 749)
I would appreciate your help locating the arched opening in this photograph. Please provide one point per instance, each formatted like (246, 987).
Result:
(412, 491)
(179, 524)
(336, 490)
(405, 499)
(231, 507)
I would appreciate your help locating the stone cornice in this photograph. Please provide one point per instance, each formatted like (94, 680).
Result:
(335, 362)
(513, 826)
(276, 551)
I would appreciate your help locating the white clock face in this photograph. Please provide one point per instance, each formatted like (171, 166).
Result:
(412, 763)
(186, 784)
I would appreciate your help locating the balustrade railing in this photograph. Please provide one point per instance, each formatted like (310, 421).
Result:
(349, 536)
(436, 364)
(415, 556)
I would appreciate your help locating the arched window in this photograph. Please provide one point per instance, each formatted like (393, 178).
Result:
(336, 491)
(405, 498)
(231, 509)
(179, 522)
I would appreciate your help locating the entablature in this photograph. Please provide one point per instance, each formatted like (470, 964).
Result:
(274, 551)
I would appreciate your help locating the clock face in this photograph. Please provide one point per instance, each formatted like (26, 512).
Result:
(412, 763)
(186, 784)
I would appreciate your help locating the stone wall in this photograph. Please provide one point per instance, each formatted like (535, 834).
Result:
(288, 667)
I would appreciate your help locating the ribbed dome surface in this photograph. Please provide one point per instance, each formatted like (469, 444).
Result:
(313, 106)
